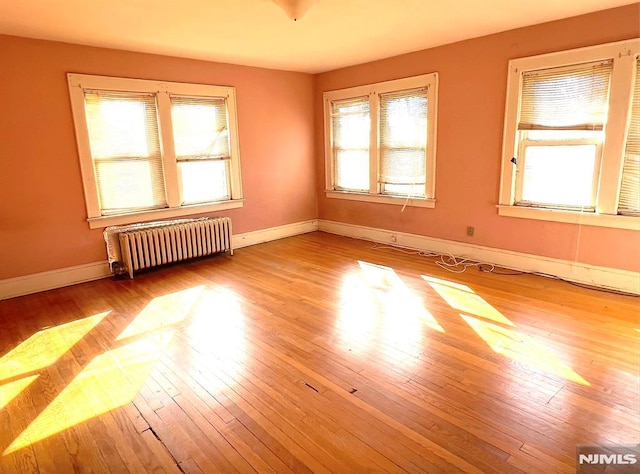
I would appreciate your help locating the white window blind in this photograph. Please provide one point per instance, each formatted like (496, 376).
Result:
(125, 147)
(351, 125)
(201, 139)
(630, 187)
(403, 142)
(566, 98)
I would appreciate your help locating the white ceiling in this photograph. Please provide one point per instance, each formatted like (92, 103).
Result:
(333, 34)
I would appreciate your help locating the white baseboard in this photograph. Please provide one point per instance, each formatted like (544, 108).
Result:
(605, 277)
(574, 271)
(273, 233)
(27, 284)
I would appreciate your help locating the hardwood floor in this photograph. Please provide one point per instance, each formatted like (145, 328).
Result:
(315, 353)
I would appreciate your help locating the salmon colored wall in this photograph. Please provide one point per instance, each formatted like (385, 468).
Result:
(42, 210)
(471, 103)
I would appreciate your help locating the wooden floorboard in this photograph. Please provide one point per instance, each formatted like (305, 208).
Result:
(316, 353)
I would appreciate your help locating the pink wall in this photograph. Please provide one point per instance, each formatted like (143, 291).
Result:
(42, 210)
(471, 102)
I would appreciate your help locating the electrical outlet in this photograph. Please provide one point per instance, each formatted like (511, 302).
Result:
(470, 230)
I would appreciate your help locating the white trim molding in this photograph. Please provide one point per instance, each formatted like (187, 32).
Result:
(396, 200)
(605, 277)
(572, 217)
(273, 233)
(160, 214)
(36, 282)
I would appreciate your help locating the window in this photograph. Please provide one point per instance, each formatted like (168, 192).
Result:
(571, 148)
(154, 149)
(351, 126)
(380, 142)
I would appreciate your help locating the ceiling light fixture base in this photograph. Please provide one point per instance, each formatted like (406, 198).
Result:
(295, 9)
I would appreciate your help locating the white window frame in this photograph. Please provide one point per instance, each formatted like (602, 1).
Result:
(373, 91)
(608, 168)
(78, 83)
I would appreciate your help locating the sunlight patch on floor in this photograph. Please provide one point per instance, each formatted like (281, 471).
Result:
(358, 310)
(464, 299)
(218, 335)
(162, 311)
(378, 307)
(109, 381)
(522, 348)
(10, 390)
(397, 299)
(508, 342)
(217, 323)
(46, 347)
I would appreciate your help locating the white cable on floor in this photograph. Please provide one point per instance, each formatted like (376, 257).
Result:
(452, 263)
(448, 262)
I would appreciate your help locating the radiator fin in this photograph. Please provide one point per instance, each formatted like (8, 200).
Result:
(159, 245)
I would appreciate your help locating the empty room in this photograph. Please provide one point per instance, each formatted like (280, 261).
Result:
(333, 236)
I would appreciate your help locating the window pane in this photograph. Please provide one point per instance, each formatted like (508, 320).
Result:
(352, 170)
(403, 119)
(351, 126)
(124, 185)
(118, 128)
(559, 175)
(204, 181)
(403, 166)
(200, 127)
(125, 148)
(403, 141)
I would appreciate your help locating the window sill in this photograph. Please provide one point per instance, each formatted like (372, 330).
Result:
(398, 201)
(571, 217)
(145, 216)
